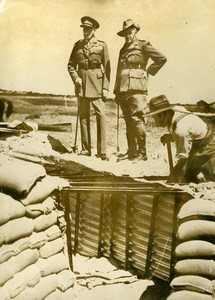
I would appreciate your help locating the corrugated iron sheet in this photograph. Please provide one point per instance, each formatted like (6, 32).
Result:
(134, 226)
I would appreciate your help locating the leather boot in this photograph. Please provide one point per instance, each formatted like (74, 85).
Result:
(140, 156)
(128, 155)
(141, 153)
(132, 150)
(132, 147)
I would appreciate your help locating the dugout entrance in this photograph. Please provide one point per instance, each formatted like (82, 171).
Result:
(128, 221)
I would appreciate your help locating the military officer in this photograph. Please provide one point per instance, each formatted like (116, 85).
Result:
(89, 68)
(131, 86)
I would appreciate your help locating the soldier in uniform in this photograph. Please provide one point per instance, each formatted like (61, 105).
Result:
(131, 86)
(89, 68)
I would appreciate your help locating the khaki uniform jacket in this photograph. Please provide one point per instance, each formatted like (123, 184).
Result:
(132, 66)
(90, 61)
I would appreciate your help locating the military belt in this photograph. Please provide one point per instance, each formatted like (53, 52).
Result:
(133, 66)
(88, 66)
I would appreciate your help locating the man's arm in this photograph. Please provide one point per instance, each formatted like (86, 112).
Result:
(182, 141)
(72, 65)
(107, 68)
(118, 71)
(158, 58)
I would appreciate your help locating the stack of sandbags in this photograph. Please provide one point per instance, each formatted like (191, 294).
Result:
(32, 260)
(195, 252)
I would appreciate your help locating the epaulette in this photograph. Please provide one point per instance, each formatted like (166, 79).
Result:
(79, 42)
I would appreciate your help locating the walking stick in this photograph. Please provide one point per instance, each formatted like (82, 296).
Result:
(117, 129)
(75, 147)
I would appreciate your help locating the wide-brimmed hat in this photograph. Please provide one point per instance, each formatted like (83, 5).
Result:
(126, 25)
(158, 104)
(89, 22)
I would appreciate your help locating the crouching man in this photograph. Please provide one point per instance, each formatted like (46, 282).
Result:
(195, 143)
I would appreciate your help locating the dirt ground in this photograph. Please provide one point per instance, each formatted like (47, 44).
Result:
(65, 110)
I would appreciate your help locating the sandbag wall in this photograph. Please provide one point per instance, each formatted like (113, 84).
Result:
(195, 252)
(33, 263)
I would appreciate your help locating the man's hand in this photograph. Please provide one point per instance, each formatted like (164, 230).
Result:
(78, 81)
(116, 99)
(167, 137)
(104, 93)
(78, 86)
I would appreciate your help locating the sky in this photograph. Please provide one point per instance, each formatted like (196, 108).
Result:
(37, 37)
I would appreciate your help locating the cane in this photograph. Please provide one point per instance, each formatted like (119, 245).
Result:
(75, 147)
(117, 129)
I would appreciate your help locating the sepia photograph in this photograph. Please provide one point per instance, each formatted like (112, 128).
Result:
(107, 149)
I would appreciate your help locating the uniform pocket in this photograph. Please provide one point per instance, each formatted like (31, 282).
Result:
(137, 80)
(99, 75)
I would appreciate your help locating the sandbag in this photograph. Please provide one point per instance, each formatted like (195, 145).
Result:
(46, 207)
(192, 283)
(45, 221)
(24, 259)
(53, 232)
(6, 272)
(51, 248)
(10, 209)
(195, 229)
(16, 285)
(7, 251)
(20, 245)
(43, 189)
(58, 295)
(16, 229)
(5, 295)
(18, 176)
(183, 295)
(37, 240)
(46, 286)
(195, 248)
(32, 275)
(1, 238)
(65, 280)
(201, 267)
(213, 284)
(53, 264)
(197, 207)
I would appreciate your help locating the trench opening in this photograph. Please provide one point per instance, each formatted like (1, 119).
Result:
(129, 222)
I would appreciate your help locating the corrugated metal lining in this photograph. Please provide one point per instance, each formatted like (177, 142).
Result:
(135, 226)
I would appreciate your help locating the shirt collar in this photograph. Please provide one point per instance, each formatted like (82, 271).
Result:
(91, 42)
